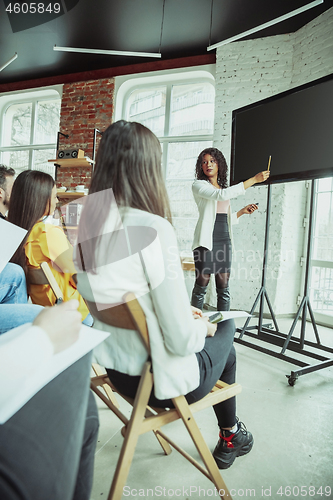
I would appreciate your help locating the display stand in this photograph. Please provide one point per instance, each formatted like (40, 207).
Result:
(70, 163)
(277, 338)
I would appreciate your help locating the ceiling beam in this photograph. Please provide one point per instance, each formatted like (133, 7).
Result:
(266, 25)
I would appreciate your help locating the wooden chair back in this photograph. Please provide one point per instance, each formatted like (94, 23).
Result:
(127, 315)
(43, 276)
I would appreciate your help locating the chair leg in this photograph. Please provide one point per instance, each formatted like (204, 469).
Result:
(132, 434)
(194, 431)
(110, 394)
(165, 445)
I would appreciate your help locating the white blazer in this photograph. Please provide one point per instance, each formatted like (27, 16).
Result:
(174, 335)
(206, 197)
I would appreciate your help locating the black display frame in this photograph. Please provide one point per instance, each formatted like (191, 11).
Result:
(276, 178)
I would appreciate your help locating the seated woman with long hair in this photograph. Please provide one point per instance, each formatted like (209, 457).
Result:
(126, 243)
(34, 197)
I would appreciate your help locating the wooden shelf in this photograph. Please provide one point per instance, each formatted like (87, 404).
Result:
(70, 194)
(73, 162)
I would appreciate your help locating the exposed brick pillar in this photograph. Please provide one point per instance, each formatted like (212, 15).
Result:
(84, 106)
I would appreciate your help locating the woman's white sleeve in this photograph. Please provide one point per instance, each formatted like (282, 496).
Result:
(183, 335)
(206, 190)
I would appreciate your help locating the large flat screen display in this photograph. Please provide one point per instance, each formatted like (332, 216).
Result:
(295, 128)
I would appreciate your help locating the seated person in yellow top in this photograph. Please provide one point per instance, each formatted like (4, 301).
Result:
(34, 197)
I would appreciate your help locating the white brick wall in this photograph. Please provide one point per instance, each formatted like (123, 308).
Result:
(313, 50)
(246, 72)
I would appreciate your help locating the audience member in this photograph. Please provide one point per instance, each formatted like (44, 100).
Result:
(137, 251)
(34, 197)
(6, 184)
(48, 446)
(14, 307)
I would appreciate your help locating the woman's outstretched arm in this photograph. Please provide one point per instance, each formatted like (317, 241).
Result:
(260, 177)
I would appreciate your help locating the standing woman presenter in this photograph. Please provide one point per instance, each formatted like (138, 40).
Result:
(212, 236)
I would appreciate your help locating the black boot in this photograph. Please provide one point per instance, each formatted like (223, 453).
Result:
(223, 299)
(232, 445)
(198, 295)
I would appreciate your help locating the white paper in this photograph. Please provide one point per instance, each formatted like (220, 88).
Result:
(228, 314)
(11, 237)
(26, 388)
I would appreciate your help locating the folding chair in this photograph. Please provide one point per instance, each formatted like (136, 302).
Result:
(129, 315)
(44, 276)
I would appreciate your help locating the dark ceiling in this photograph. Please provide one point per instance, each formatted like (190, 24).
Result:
(131, 25)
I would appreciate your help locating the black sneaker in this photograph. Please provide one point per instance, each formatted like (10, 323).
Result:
(232, 445)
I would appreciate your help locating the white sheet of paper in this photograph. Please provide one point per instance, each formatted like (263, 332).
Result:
(11, 237)
(27, 388)
(229, 314)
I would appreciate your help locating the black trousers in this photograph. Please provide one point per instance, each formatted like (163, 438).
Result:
(216, 361)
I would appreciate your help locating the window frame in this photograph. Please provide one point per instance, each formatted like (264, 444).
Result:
(320, 317)
(168, 79)
(33, 97)
(124, 86)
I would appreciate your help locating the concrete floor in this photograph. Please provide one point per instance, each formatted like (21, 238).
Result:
(292, 428)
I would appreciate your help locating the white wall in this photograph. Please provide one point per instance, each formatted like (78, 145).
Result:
(246, 72)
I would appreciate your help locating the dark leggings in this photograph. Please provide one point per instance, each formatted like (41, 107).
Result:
(216, 361)
(221, 279)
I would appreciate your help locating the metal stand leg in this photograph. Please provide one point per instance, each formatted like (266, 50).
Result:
(304, 307)
(262, 295)
(276, 337)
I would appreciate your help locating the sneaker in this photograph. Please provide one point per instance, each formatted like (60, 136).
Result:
(232, 445)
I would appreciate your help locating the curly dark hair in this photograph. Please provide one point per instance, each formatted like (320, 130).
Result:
(222, 176)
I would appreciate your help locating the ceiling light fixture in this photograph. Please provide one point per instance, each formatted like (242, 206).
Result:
(107, 52)
(267, 25)
(15, 56)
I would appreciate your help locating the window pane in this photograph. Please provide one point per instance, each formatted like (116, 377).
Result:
(323, 240)
(321, 287)
(182, 157)
(321, 292)
(47, 122)
(148, 107)
(18, 160)
(324, 184)
(41, 157)
(17, 129)
(192, 109)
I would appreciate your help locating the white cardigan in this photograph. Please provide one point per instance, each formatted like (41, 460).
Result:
(174, 335)
(206, 197)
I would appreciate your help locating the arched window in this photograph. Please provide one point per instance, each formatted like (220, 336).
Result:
(30, 122)
(179, 109)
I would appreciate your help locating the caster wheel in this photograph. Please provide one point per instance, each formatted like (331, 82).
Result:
(291, 380)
